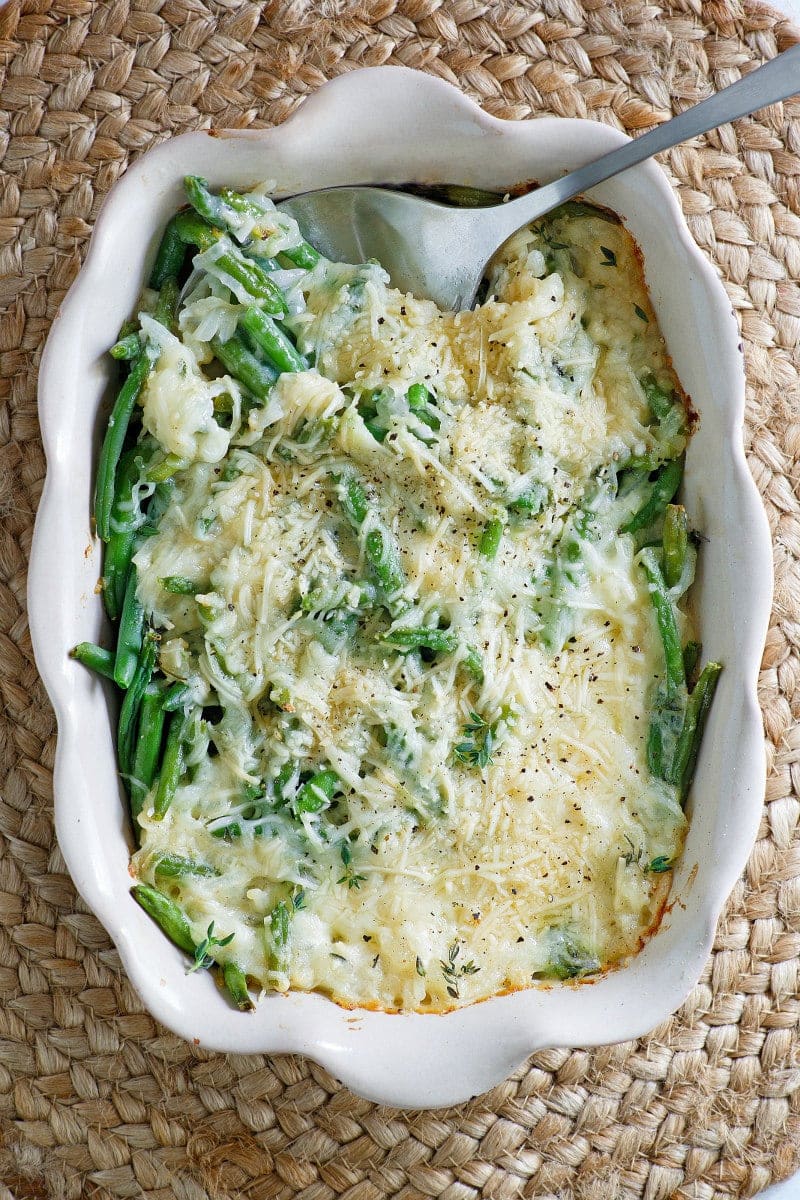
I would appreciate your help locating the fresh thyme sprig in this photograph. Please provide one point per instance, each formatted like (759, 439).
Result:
(453, 970)
(479, 739)
(350, 877)
(202, 959)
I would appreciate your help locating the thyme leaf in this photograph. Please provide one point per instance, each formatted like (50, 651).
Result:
(349, 876)
(479, 739)
(203, 959)
(453, 970)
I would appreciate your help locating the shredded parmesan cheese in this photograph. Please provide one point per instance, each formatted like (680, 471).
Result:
(438, 872)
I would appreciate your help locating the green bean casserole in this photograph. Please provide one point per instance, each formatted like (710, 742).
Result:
(410, 701)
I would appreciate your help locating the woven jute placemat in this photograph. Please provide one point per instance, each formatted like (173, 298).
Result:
(95, 1099)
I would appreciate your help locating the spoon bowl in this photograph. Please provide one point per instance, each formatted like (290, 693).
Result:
(440, 252)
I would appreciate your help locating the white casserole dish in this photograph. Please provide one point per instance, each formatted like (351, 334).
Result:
(390, 124)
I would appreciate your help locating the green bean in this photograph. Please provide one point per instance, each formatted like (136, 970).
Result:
(225, 209)
(268, 264)
(276, 927)
(235, 982)
(223, 403)
(530, 503)
(116, 564)
(129, 635)
(326, 599)
(166, 913)
(456, 195)
(397, 749)
(228, 832)
(419, 398)
(156, 508)
(491, 538)
(691, 657)
(259, 805)
(666, 723)
(662, 491)
(317, 792)
(120, 544)
(384, 559)
(661, 402)
(114, 440)
(577, 208)
(353, 499)
(167, 304)
(245, 271)
(195, 231)
(174, 866)
(127, 328)
(656, 757)
(258, 377)
(380, 547)
(303, 255)
(462, 196)
(211, 208)
(180, 585)
(473, 663)
(568, 957)
(171, 767)
(667, 409)
(422, 637)
(121, 413)
(335, 632)
(640, 464)
(147, 752)
(665, 617)
(176, 696)
(279, 923)
(127, 348)
(676, 542)
(688, 746)
(272, 340)
(169, 256)
(129, 710)
(95, 658)
(279, 786)
(164, 468)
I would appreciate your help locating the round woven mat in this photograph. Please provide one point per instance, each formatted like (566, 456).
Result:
(95, 1099)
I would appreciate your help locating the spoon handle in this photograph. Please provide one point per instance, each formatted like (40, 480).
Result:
(774, 81)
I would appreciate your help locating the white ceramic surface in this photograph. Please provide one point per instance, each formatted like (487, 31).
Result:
(394, 125)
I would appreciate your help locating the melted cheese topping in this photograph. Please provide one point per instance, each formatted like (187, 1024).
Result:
(493, 818)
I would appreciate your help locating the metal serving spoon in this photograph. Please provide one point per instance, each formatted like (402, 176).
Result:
(442, 252)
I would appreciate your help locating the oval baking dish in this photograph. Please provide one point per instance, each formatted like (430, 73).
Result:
(341, 135)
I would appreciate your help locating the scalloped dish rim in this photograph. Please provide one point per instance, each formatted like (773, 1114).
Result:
(340, 134)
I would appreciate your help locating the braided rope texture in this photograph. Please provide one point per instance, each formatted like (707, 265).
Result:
(95, 1099)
